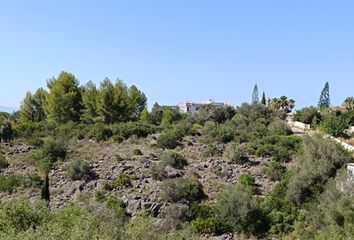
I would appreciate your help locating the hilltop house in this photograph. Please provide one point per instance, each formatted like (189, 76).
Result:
(193, 107)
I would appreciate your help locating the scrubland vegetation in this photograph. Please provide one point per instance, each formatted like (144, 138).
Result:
(310, 196)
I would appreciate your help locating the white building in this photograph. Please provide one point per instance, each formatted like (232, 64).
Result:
(193, 107)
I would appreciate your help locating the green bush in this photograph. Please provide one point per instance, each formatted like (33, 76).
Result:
(117, 205)
(237, 208)
(222, 133)
(274, 171)
(123, 180)
(247, 179)
(169, 139)
(18, 216)
(118, 138)
(236, 153)
(99, 196)
(118, 157)
(173, 159)
(158, 171)
(54, 149)
(36, 142)
(137, 152)
(212, 151)
(79, 170)
(321, 159)
(9, 182)
(211, 225)
(3, 162)
(99, 132)
(129, 129)
(175, 190)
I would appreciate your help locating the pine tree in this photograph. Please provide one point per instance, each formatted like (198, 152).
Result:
(264, 101)
(63, 103)
(105, 102)
(144, 116)
(89, 101)
(255, 98)
(32, 107)
(137, 100)
(324, 101)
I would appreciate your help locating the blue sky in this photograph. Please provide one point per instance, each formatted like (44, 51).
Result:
(181, 50)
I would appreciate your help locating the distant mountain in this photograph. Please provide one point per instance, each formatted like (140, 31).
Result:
(7, 109)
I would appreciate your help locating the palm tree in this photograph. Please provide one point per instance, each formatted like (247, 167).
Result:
(349, 103)
(283, 102)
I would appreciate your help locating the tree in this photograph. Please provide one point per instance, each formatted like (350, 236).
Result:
(64, 99)
(5, 130)
(32, 106)
(122, 110)
(166, 118)
(137, 100)
(144, 116)
(45, 194)
(349, 103)
(264, 101)
(282, 103)
(105, 102)
(255, 98)
(324, 101)
(89, 101)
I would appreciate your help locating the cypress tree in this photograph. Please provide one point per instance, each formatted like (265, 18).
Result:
(264, 101)
(45, 195)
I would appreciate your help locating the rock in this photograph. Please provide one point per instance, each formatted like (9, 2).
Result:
(173, 173)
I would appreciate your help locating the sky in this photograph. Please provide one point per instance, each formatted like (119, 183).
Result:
(179, 50)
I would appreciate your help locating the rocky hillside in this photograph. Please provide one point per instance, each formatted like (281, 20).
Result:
(109, 160)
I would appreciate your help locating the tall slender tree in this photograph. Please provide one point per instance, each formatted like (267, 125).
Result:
(255, 98)
(324, 101)
(264, 101)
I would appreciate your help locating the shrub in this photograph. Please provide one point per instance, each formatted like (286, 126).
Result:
(173, 159)
(137, 152)
(237, 208)
(54, 149)
(222, 133)
(129, 129)
(307, 114)
(123, 180)
(212, 151)
(36, 142)
(175, 215)
(99, 196)
(117, 205)
(274, 171)
(175, 190)
(99, 132)
(9, 182)
(79, 170)
(236, 153)
(320, 161)
(247, 179)
(169, 139)
(3, 162)
(211, 225)
(19, 215)
(158, 171)
(118, 157)
(118, 138)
